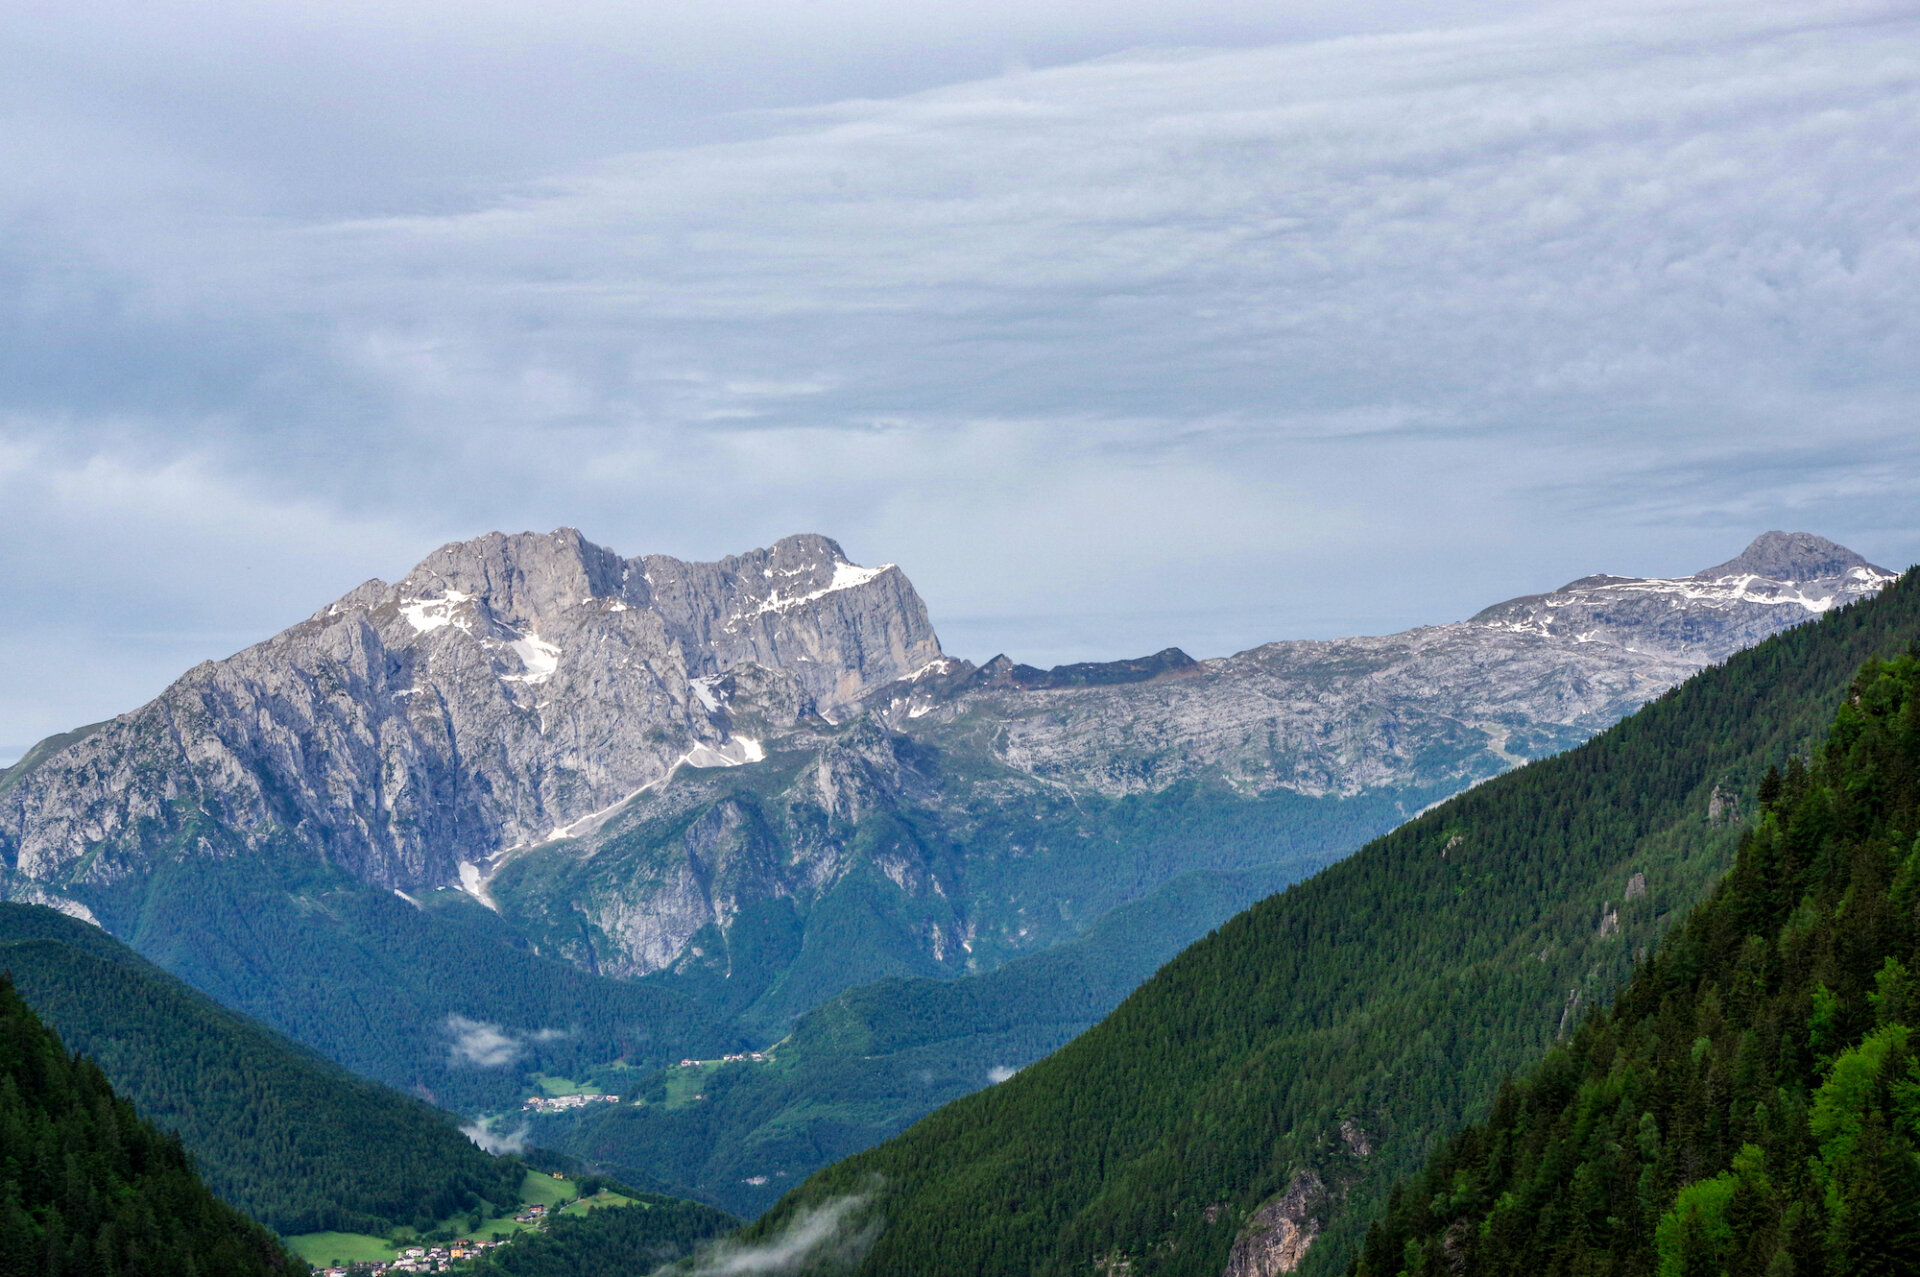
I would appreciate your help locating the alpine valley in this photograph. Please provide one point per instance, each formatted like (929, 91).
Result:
(1749, 1107)
(540, 820)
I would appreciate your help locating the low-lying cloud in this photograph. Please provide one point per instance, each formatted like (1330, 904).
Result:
(1001, 1072)
(836, 1233)
(482, 1132)
(482, 1044)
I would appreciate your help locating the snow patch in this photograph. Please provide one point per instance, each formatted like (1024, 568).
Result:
(1727, 590)
(938, 665)
(741, 749)
(1749, 588)
(430, 614)
(474, 883)
(703, 688)
(846, 576)
(538, 660)
(734, 753)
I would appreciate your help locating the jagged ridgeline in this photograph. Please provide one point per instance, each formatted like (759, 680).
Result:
(289, 1137)
(1752, 1102)
(88, 1189)
(1246, 1109)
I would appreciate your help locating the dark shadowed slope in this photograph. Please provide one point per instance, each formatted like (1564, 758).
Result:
(88, 1188)
(291, 1138)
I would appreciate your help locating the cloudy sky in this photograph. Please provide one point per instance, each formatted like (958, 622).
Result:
(1117, 326)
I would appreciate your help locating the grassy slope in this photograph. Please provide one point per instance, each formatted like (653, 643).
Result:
(1392, 990)
(40, 753)
(538, 1247)
(534, 1188)
(291, 1138)
(599, 1242)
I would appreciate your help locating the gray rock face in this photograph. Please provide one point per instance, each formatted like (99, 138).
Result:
(1437, 705)
(509, 687)
(681, 859)
(1790, 556)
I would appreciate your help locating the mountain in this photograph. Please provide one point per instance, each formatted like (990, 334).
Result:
(1707, 616)
(1244, 1110)
(1751, 1104)
(290, 1138)
(87, 1187)
(542, 811)
(1445, 704)
(506, 688)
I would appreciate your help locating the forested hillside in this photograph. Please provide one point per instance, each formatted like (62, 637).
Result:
(1322, 1040)
(88, 1189)
(1752, 1102)
(291, 1138)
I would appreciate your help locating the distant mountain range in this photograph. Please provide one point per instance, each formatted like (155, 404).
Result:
(742, 788)
(515, 691)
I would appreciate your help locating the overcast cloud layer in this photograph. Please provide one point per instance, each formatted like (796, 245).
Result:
(1356, 325)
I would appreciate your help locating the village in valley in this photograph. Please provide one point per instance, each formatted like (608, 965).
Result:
(562, 1103)
(454, 1255)
(417, 1259)
(439, 1258)
(544, 1197)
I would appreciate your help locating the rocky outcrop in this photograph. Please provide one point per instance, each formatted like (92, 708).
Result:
(682, 859)
(1443, 705)
(1278, 1235)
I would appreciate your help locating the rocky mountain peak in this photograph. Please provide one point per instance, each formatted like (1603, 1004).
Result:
(1791, 557)
(520, 576)
(508, 687)
(1780, 578)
